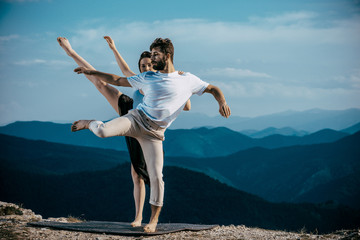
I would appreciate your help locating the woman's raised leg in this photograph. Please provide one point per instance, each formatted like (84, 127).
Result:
(110, 93)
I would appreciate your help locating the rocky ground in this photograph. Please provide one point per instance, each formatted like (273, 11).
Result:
(14, 219)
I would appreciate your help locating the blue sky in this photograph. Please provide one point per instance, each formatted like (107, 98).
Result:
(266, 56)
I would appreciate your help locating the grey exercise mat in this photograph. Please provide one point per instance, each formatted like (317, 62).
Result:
(122, 228)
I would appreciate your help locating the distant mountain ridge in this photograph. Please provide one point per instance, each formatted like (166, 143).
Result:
(310, 120)
(352, 129)
(201, 142)
(60, 133)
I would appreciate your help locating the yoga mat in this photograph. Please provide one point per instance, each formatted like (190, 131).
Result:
(122, 228)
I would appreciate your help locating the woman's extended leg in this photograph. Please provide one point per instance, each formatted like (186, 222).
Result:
(139, 197)
(110, 93)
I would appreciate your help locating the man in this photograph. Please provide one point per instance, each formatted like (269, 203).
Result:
(165, 94)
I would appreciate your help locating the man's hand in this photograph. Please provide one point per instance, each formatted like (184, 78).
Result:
(110, 42)
(225, 110)
(84, 70)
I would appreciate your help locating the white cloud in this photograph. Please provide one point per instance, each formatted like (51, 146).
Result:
(355, 79)
(269, 90)
(351, 81)
(42, 62)
(30, 62)
(233, 73)
(293, 28)
(9, 37)
(290, 42)
(292, 18)
(9, 105)
(84, 95)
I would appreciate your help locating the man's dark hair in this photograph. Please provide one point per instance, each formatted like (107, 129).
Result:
(165, 46)
(144, 54)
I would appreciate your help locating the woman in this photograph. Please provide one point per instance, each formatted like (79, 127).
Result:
(122, 104)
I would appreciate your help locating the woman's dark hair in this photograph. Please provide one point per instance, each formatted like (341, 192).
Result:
(165, 46)
(144, 54)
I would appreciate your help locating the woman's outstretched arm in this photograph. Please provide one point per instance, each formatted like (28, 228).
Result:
(120, 61)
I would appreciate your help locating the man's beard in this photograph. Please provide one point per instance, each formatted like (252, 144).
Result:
(159, 65)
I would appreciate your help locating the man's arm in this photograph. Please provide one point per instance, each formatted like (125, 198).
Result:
(106, 77)
(224, 109)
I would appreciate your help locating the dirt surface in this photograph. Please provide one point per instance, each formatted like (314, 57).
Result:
(14, 219)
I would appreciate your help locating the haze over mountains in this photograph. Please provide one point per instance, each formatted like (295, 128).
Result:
(201, 142)
(309, 121)
(290, 122)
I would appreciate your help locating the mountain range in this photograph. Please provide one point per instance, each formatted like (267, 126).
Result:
(310, 173)
(200, 142)
(189, 197)
(291, 174)
(282, 171)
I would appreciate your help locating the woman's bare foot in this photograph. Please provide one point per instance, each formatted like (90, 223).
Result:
(136, 223)
(80, 125)
(150, 227)
(65, 44)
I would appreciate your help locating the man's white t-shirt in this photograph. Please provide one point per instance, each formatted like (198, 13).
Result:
(165, 94)
(137, 98)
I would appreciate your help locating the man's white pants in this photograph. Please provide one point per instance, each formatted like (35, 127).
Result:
(150, 136)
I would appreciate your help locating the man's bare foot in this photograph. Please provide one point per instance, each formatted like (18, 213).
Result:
(150, 227)
(136, 223)
(80, 125)
(65, 44)
(155, 213)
